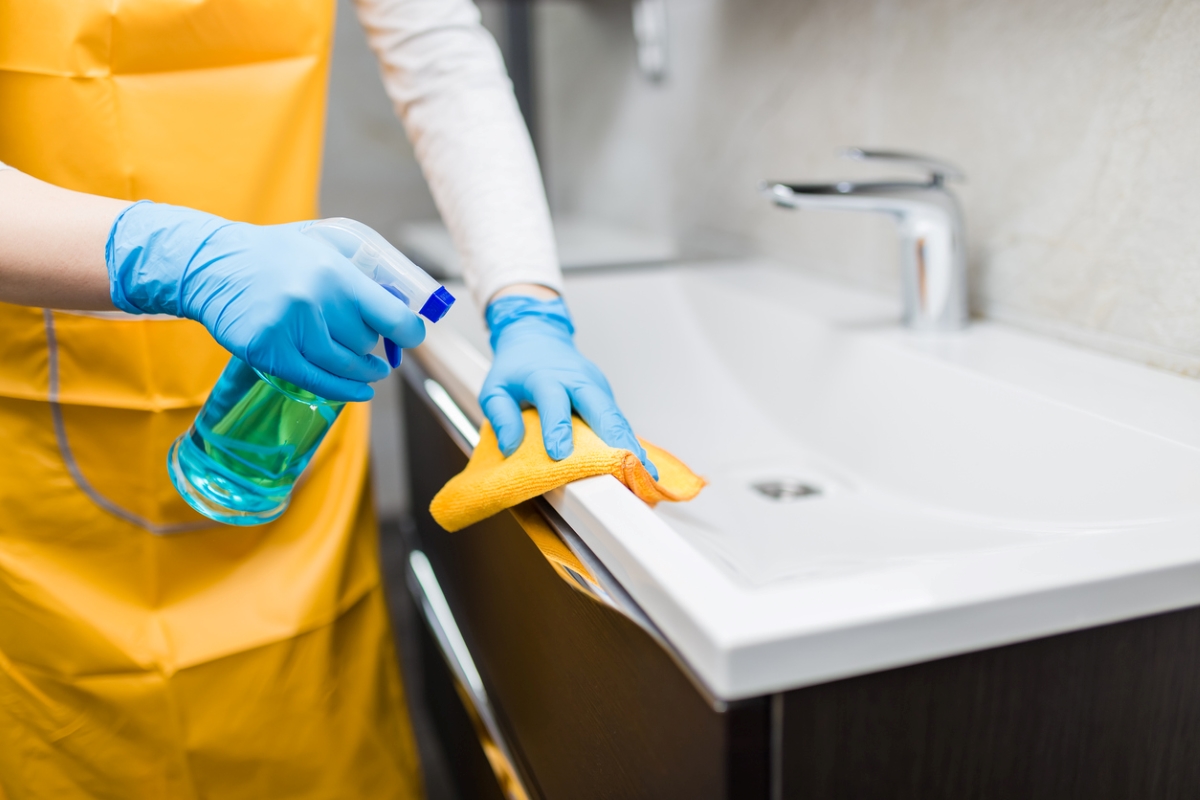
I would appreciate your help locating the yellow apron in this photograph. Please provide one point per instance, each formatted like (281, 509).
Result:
(144, 652)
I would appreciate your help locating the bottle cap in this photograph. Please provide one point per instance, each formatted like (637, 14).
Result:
(437, 305)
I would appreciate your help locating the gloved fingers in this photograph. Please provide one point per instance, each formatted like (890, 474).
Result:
(332, 357)
(388, 316)
(339, 303)
(299, 371)
(599, 410)
(554, 409)
(649, 465)
(351, 332)
(505, 415)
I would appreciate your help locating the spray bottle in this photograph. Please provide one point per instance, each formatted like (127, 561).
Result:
(256, 433)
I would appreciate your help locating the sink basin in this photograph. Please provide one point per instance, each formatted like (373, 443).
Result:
(876, 496)
(917, 456)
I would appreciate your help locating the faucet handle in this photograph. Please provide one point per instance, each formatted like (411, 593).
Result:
(939, 171)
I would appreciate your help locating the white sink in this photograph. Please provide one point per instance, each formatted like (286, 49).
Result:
(969, 490)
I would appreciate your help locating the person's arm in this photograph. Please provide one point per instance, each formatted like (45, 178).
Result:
(446, 78)
(52, 244)
(280, 300)
(444, 73)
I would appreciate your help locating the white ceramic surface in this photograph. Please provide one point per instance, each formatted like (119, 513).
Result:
(974, 490)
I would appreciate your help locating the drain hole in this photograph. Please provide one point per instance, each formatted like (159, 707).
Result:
(785, 489)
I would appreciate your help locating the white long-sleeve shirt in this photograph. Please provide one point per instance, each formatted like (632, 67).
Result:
(445, 75)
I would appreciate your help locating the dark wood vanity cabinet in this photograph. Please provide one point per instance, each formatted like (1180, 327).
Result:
(591, 706)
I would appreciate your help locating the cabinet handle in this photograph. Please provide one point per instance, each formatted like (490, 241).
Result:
(454, 415)
(467, 682)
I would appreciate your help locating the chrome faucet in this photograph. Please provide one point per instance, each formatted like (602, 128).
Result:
(933, 252)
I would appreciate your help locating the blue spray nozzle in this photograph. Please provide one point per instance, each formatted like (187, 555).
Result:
(437, 305)
(387, 266)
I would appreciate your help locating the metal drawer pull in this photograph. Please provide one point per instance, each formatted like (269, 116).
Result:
(454, 415)
(424, 585)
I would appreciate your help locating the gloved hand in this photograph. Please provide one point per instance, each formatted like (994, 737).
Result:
(536, 363)
(287, 304)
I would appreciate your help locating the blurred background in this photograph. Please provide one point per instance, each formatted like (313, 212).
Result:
(1073, 121)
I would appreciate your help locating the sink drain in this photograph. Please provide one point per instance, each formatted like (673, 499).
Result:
(785, 489)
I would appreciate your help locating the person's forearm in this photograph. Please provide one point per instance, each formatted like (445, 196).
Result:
(52, 244)
(447, 80)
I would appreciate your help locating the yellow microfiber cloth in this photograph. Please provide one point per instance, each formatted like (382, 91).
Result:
(491, 483)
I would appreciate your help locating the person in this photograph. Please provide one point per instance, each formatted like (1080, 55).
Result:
(162, 158)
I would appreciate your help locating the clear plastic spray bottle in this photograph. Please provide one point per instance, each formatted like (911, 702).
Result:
(255, 434)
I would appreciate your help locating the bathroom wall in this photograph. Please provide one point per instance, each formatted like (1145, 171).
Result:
(1075, 123)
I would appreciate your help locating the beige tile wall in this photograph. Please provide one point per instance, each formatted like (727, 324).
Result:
(1075, 121)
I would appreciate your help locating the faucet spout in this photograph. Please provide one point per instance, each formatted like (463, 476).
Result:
(929, 222)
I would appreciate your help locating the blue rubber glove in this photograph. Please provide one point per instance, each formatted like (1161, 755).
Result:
(286, 303)
(536, 363)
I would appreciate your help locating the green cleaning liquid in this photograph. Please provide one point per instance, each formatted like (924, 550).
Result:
(251, 441)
